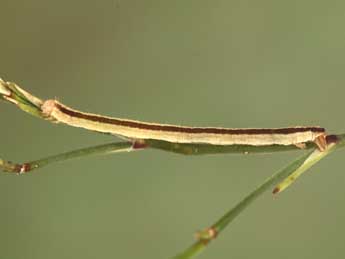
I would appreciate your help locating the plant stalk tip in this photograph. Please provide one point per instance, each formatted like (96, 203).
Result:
(3, 89)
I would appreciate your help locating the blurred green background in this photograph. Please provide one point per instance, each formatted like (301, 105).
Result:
(201, 63)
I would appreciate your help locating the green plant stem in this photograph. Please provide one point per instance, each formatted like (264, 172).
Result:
(95, 150)
(222, 223)
(207, 149)
(300, 165)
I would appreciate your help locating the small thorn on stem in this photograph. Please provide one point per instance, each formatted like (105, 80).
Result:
(276, 190)
(206, 235)
(139, 144)
(23, 168)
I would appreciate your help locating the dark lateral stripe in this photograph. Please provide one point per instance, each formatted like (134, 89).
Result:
(182, 129)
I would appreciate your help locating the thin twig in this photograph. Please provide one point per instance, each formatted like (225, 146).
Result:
(298, 166)
(95, 150)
